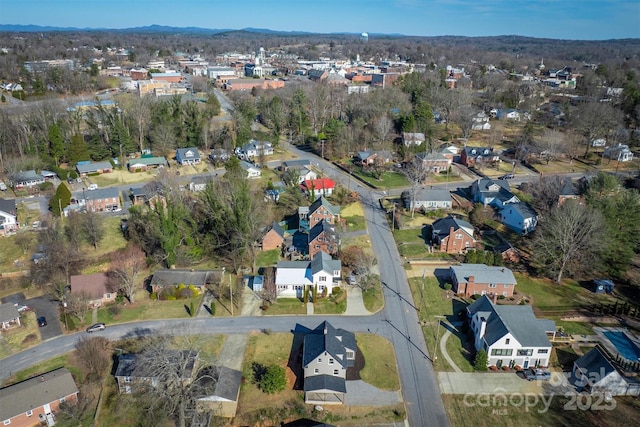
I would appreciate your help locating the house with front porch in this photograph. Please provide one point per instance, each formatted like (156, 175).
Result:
(323, 237)
(88, 167)
(472, 156)
(510, 334)
(8, 216)
(320, 210)
(102, 200)
(495, 193)
(327, 353)
(28, 179)
(482, 279)
(434, 162)
(9, 316)
(293, 276)
(146, 163)
(93, 287)
(188, 156)
(412, 139)
(428, 198)
(318, 187)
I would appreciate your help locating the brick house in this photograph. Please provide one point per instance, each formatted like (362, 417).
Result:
(453, 235)
(145, 163)
(94, 287)
(481, 279)
(434, 162)
(273, 238)
(85, 169)
(103, 200)
(320, 210)
(35, 401)
(323, 238)
(470, 156)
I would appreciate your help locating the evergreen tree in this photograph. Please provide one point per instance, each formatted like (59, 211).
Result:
(60, 200)
(78, 150)
(56, 143)
(481, 360)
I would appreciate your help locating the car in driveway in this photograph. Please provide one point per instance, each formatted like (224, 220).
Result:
(96, 327)
(537, 374)
(507, 176)
(42, 321)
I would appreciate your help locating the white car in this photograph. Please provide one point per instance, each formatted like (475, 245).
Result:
(92, 187)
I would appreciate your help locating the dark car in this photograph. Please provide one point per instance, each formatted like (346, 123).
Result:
(42, 321)
(507, 176)
(537, 374)
(96, 327)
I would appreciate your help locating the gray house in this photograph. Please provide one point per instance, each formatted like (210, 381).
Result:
(326, 354)
(428, 198)
(595, 373)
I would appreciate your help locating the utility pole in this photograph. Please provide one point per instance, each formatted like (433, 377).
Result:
(231, 294)
(435, 347)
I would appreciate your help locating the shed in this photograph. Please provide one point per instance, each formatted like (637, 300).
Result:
(257, 283)
(602, 286)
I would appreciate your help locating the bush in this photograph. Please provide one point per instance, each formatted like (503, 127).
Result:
(114, 309)
(46, 186)
(153, 296)
(274, 380)
(501, 297)
(448, 286)
(481, 360)
(194, 290)
(73, 174)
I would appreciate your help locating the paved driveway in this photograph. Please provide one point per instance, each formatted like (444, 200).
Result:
(500, 383)
(43, 306)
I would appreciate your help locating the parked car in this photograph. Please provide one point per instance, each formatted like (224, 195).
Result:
(96, 327)
(92, 187)
(537, 374)
(42, 321)
(3, 186)
(507, 176)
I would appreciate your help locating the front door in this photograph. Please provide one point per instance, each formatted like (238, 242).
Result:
(526, 363)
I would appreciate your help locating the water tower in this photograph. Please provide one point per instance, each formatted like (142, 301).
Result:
(364, 37)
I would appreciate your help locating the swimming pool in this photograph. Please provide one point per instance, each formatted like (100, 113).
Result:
(627, 348)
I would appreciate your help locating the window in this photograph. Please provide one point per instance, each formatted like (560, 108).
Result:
(501, 352)
(316, 371)
(525, 352)
(7, 422)
(483, 292)
(62, 399)
(350, 354)
(504, 294)
(458, 236)
(319, 360)
(29, 413)
(127, 379)
(108, 296)
(507, 340)
(492, 285)
(543, 351)
(335, 372)
(322, 278)
(330, 361)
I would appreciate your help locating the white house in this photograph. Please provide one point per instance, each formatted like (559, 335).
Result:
(412, 138)
(620, 153)
(494, 193)
(26, 179)
(481, 121)
(257, 148)
(8, 216)
(188, 156)
(293, 276)
(251, 170)
(520, 217)
(510, 334)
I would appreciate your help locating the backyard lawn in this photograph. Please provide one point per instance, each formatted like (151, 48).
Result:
(353, 216)
(267, 258)
(411, 243)
(387, 179)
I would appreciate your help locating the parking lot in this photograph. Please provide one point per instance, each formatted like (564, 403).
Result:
(41, 306)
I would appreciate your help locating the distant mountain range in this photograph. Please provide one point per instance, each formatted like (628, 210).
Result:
(161, 29)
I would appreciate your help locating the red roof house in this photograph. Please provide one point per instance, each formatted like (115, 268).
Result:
(319, 187)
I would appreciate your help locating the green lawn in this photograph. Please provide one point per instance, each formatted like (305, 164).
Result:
(387, 179)
(355, 223)
(146, 310)
(286, 306)
(373, 298)
(267, 258)
(42, 367)
(411, 243)
(380, 367)
(10, 252)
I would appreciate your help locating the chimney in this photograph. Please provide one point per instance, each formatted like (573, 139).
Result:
(471, 279)
(483, 327)
(325, 330)
(494, 297)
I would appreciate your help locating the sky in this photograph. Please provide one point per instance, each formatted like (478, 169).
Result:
(557, 19)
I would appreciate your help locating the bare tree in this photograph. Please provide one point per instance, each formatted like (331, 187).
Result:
(126, 265)
(416, 173)
(77, 304)
(448, 101)
(569, 240)
(92, 228)
(382, 127)
(269, 291)
(550, 144)
(139, 109)
(595, 120)
(94, 353)
(464, 117)
(181, 374)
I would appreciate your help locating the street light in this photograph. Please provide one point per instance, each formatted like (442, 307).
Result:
(435, 349)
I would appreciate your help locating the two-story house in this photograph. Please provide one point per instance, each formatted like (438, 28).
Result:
(410, 139)
(320, 210)
(471, 156)
(495, 193)
(36, 401)
(188, 156)
(102, 200)
(434, 162)
(293, 276)
(323, 237)
(520, 217)
(273, 238)
(257, 148)
(327, 353)
(482, 279)
(8, 216)
(452, 235)
(510, 334)
(93, 287)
